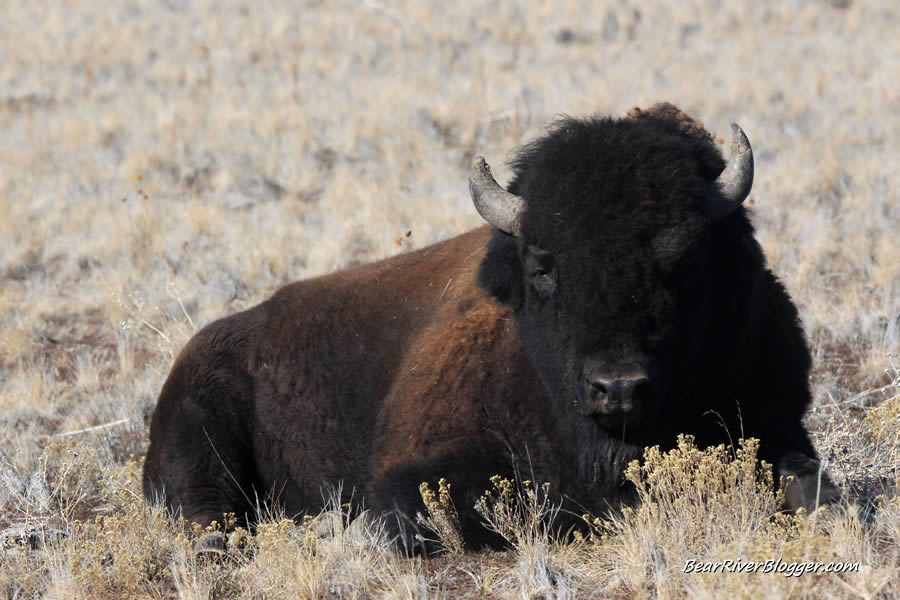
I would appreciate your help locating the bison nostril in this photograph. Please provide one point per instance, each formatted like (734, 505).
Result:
(599, 388)
(625, 393)
(641, 390)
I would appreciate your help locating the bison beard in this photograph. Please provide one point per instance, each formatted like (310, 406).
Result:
(619, 299)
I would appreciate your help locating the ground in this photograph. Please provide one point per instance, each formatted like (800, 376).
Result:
(163, 164)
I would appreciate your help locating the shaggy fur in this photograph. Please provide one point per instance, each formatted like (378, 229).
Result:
(453, 362)
(619, 204)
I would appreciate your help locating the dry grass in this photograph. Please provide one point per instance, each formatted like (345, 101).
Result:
(164, 164)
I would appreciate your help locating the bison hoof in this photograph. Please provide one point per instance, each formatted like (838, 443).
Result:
(211, 545)
(806, 485)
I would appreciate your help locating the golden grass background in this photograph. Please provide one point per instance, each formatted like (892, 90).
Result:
(163, 164)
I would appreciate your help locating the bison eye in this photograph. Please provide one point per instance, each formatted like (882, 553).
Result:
(543, 283)
(541, 270)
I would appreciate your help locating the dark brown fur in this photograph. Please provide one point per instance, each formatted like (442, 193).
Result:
(353, 379)
(445, 362)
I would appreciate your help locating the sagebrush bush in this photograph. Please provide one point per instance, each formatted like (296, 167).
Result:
(441, 518)
(883, 420)
(716, 505)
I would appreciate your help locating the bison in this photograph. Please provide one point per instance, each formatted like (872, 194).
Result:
(617, 299)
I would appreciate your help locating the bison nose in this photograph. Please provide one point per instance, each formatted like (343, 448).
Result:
(623, 393)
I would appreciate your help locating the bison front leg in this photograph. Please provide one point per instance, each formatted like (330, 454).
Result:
(796, 467)
(806, 485)
(798, 471)
(398, 499)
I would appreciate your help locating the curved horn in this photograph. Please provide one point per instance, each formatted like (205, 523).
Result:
(735, 181)
(498, 207)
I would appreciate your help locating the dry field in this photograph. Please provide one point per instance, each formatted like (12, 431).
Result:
(166, 163)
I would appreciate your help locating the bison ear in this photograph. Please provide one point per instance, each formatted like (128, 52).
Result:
(500, 273)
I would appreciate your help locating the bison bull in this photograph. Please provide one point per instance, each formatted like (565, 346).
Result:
(619, 299)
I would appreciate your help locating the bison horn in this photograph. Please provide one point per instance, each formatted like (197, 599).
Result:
(498, 207)
(735, 181)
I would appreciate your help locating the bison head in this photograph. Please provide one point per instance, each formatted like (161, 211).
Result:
(603, 249)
